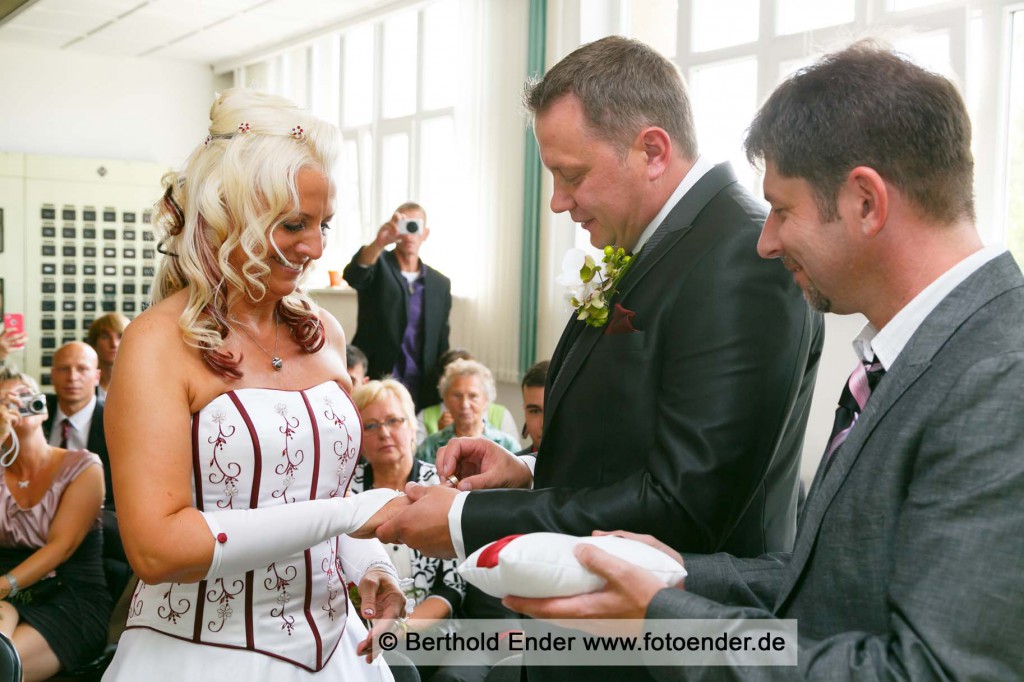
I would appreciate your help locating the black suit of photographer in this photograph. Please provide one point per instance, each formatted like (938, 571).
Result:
(383, 314)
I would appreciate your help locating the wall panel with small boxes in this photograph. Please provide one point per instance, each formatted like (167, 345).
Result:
(85, 246)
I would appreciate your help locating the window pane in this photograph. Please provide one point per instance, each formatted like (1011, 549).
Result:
(296, 76)
(450, 248)
(394, 173)
(598, 18)
(900, 5)
(796, 16)
(1015, 137)
(324, 79)
(724, 98)
(718, 24)
(357, 82)
(257, 76)
(930, 51)
(440, 54)
(399, 83)
(347, 225)
(438, 166)
(655, 22)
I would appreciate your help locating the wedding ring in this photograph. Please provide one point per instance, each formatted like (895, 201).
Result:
(454, 480)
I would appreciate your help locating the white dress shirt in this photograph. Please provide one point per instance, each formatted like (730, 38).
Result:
(888, 342)
(81, 422)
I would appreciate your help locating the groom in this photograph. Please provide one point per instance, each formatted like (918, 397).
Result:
(683, 416)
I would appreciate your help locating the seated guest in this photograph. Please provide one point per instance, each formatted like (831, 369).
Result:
(477, 604)
(387, 412)
(467, 388)
(105, 336)
(533, 405)
(357, 363)
(432, 419)
(55, 604)
(75, 422)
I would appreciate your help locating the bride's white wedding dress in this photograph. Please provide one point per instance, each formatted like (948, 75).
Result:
(289, 619)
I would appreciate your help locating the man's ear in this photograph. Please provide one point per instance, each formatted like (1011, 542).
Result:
(657, 147)
(867, 197)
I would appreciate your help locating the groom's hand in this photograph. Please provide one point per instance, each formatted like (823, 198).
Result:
(424, 524)
(480, 464)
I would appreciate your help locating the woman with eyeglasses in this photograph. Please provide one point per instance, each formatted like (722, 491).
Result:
(389, 433)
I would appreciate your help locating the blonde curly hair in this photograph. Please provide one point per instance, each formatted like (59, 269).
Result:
(233, 191)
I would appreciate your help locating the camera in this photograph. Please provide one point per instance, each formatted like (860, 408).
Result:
(32, 404)
(409, 226)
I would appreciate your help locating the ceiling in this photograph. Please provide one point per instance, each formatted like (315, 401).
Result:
(204, 31)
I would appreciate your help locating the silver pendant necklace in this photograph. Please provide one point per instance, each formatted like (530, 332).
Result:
(275, 360)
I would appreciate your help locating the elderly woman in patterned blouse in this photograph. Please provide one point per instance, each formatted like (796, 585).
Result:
(389, 438)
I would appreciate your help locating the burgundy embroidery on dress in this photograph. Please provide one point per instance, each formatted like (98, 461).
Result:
(345, 449)
(136, 605)
(328, 566)
(279, 583)
(168, 612)
(223, 597)
(291, 460)
(221, 476)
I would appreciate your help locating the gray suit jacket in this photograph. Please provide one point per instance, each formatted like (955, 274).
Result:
(909, 557)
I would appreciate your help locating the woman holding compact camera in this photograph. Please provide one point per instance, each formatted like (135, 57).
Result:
(55, 606)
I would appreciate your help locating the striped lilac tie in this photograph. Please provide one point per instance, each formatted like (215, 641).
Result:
(855, 396)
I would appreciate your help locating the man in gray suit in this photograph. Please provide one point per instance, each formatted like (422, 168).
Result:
(910, 548)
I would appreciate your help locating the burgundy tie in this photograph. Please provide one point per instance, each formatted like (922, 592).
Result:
(855, 396)
(65, 431)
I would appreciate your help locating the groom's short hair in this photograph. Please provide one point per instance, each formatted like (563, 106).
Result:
(624, 86)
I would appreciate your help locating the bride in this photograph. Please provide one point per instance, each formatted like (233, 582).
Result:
(231, 433)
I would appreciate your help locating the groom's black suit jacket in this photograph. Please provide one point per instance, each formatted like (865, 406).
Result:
(691, 427)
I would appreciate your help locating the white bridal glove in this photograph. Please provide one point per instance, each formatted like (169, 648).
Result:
(245, 539)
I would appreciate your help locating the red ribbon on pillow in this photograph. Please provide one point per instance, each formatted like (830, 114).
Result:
(489, 557)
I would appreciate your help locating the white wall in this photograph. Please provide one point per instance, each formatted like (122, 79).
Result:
(68, 103)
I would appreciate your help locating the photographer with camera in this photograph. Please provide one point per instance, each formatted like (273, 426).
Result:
(403, 305)
(55, 606)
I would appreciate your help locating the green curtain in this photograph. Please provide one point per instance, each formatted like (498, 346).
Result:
(531, 200)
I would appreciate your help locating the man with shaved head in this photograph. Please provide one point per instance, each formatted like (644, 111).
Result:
(75, 422)
(75, 377)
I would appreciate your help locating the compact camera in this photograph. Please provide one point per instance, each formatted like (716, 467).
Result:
(409, 226)
(32, 404)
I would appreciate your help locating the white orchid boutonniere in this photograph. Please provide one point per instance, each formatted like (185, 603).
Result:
(591, 286)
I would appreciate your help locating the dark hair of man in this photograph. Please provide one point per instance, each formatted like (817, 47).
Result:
(868, 106)
(624, 86)
(536, 375)
(354, 357)
(450, 356)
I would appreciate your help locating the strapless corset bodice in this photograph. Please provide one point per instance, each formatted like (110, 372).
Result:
(259, 448)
